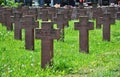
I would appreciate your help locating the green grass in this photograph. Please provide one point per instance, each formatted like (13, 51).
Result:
(102, 61)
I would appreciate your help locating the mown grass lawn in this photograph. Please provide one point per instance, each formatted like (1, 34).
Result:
(102, 61)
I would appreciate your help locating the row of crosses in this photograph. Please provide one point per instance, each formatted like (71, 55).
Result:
(47, 33)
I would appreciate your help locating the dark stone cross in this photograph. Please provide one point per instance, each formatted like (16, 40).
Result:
(52, 12)
(112, 11)
(1, 16)
(25, 10)
(8, 23)
(33, 11)
(98, 15)
(47, 34)
(118, 15)
(81, 12)
(28, 23)
(95, 12)
(66, 19)
(84, 25)
(59, 20)
(17, 25)
(44, 15)
(107, 21)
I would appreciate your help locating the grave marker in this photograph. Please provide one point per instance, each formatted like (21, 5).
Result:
(8, 23)
(17, 25)
(61, 24)
(47, 34)
(112, 12)
(84, 26)
(118, 15)
(44, 15)
(28, 23)
(106, 26)
(33, 11)
(81, 12)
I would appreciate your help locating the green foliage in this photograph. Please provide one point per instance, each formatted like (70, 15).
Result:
(11, 3)
(1, 1)
(102, 61)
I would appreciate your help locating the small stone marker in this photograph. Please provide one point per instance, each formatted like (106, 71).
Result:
(28, 23)
(17, 25)
(84, 25)
(47, 34)
(106, 26)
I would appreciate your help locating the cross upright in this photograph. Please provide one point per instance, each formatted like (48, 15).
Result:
(66, 17)
(112, 12)
(1, 16)
(7, 14)
(47, 34)
(28, 23)
(17, 25)
(95, 12)
(106, 26)
(84, 26)
(61, 24)
(98, 15)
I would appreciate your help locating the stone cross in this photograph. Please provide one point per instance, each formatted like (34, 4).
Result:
(17, 25)
(47, 34)
(1, 16)
(98, 15)
(66, 17)
(59, 20)
(25, 10)
(112, 12)
(118, 15)
(33, 11)
(106, 26)
(28, 23)
(52, 12)
(44, 15)
(81, 12)
(84, 26)
(7, 14)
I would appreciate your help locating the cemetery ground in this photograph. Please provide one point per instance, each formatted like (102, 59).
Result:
(103, 59)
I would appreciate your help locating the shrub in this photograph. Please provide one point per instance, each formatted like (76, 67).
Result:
(1, 1)
(11, 3)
